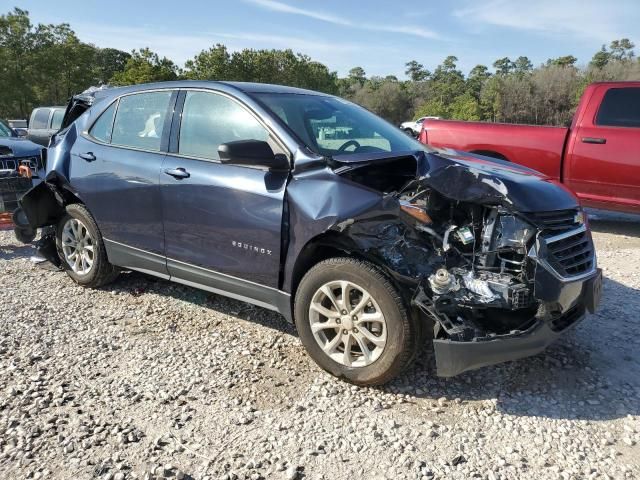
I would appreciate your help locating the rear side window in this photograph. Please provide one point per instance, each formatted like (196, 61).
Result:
(620, 108)
(56, 120)
(40, 120)
(210, 119)
(101, 130)
(140, 120)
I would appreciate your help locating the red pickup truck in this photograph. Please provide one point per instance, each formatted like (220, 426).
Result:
(598, 156)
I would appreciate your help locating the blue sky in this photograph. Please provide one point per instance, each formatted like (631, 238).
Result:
(381, 36)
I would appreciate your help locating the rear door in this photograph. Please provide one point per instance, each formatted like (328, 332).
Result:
(604, 155)
(115, 171)
(222, 222)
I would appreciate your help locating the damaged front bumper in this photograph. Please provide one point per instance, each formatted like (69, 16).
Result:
(566, 305)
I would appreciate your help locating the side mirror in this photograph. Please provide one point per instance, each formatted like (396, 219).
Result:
(256, 153)
(20, 132)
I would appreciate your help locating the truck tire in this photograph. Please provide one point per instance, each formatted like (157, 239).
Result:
(81, 248)
(353, 322)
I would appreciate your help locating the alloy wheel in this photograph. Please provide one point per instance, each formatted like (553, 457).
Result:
(348, 323)
(77, 246)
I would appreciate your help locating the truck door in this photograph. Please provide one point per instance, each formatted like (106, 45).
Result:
(222, 223)
(604, 156)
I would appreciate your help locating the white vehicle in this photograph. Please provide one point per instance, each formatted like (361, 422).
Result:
(413, 127)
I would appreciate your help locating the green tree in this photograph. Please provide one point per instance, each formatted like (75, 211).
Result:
(416, 71)
(522, 65)
(108, 61)
(601, 58)
(465, 107)
(357, 74)
(476, 79)
(211, 64)
(566, 61)
(503, 66)
(145, 66)
(622, 49)
(433, 108)
(16, 62)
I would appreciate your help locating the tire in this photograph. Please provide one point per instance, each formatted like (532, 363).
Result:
(326, 338)
(100, 271)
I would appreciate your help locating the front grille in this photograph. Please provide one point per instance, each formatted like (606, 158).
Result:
(9, 164)
(12, 163)
(571, 253)
(557, 221)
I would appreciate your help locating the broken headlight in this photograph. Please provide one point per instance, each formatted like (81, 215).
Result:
(513, 232)
(418, 213)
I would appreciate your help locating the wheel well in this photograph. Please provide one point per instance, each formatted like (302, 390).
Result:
(328, 245)
(315, 251)
(490, 153)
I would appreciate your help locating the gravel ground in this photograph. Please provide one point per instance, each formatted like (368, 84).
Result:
(146, 379)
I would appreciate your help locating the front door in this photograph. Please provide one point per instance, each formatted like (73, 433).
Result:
(604, 168)
(222, 222)
(116, 171)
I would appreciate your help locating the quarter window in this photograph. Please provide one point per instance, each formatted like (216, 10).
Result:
(140, 120)
(620, 108)
(40, 119)
(101, 130)
(209, 120)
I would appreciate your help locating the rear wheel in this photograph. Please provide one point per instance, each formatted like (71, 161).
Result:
(353, 323)
(81, 248)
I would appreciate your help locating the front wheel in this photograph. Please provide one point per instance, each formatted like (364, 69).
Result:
(81, 248)
(353, 322)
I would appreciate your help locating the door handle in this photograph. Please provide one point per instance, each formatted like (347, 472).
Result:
(598, 141)
(89, 156)
(178, 173)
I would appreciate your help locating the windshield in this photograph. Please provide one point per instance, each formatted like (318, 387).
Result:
(5, 131)
(332, 126)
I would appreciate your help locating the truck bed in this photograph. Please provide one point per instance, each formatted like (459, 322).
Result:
(536, 147)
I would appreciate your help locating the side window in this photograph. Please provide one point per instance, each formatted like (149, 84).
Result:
(101, 130)
(209, 119)
(620, 108)
(140, 120)
(40, 119)
(56, 120)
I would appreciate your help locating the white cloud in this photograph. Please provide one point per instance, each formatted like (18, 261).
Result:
(583, 19)
(278, 6)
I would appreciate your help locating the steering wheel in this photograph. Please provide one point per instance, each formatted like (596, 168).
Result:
(347, 144)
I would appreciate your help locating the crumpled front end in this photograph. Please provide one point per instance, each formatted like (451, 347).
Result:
(500, 259)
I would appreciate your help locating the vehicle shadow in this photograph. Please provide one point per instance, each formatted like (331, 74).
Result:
(614, 223)
(573, 379)
(592, 373)
(15, 250)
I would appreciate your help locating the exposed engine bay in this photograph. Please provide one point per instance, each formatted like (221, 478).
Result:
(471, 254)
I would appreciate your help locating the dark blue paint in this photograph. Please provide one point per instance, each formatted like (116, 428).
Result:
(121, 189)
(224, 218)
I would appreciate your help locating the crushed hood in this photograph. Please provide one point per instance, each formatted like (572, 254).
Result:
(472, 178)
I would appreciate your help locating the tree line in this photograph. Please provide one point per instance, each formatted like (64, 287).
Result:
(45, 64)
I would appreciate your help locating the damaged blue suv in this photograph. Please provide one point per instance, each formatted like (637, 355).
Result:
(309, 205)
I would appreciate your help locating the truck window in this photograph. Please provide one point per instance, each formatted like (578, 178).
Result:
(140, 120)
(620, 108)
(40, 119)
(56, 119)
(210, 119)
